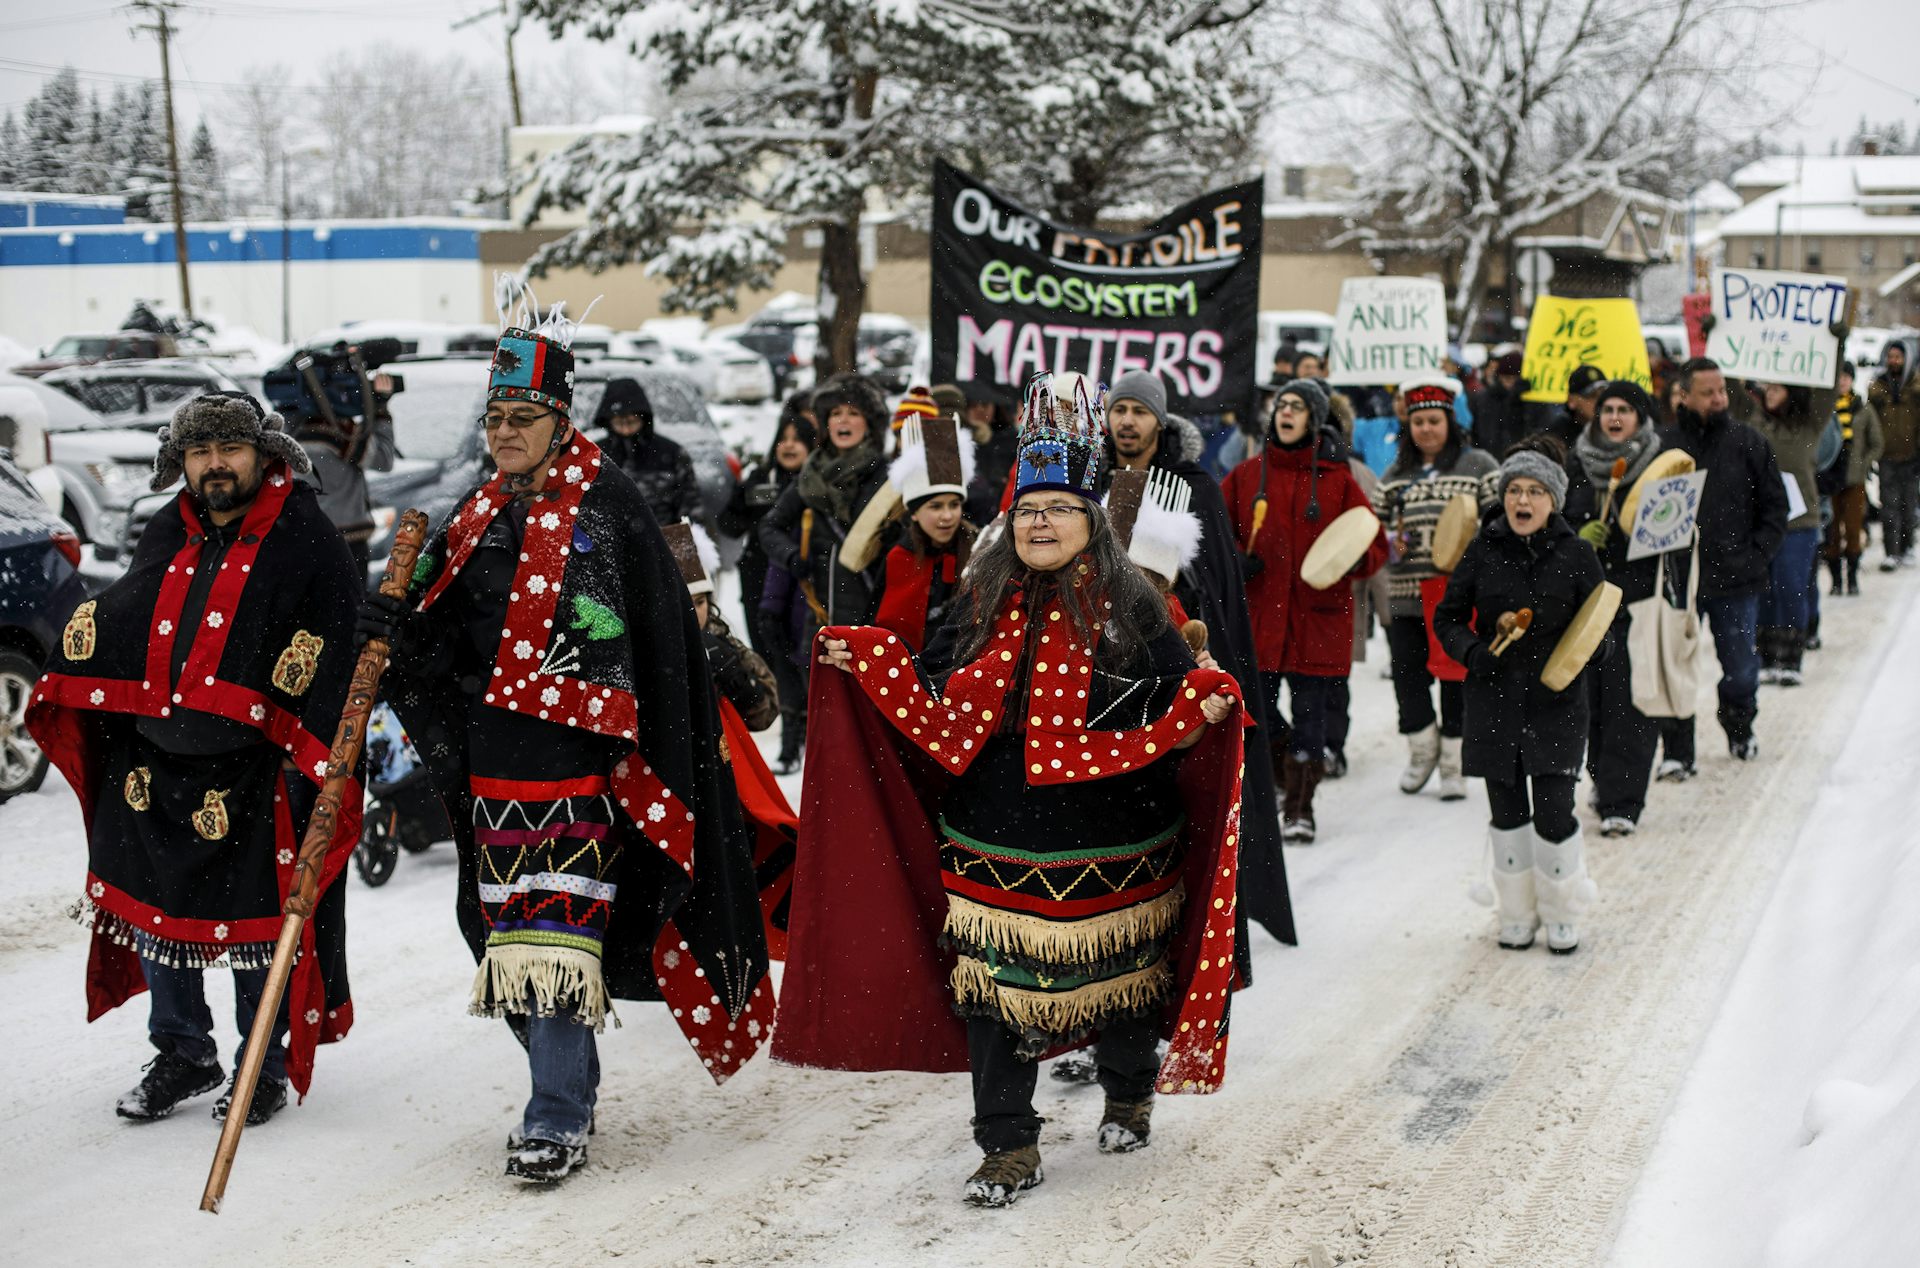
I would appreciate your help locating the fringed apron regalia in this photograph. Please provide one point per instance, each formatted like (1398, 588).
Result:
(627, 873)
(190, 856)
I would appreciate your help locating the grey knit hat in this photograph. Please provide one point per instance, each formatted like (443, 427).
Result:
(1535, 465)
(1310, 391)
(1143, 386)
(219, 416)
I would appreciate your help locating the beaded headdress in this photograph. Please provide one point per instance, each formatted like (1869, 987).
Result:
(1062, 435)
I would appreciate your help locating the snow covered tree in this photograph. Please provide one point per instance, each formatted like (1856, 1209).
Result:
(1486, 118)
(138, 152)
(53, 123)
(787, 116)
(411, 153)
(9, 151)
(204, 178)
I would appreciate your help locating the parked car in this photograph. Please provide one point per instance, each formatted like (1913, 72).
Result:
(139, 393)
(1670, 337)
(416, 338)
(39, 588)
(113, 345)
(786, 335)
(725, 370)
(884, 349)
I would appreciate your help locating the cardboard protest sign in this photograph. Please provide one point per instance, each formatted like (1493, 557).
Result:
(1564, 334)
(1387, 329)
(1669, 512)
(1015, 295)
(1773, 326)
(1693, 307)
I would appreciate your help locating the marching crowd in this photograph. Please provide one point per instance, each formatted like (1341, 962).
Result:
(1061, 694)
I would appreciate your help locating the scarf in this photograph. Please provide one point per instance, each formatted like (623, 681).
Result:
(831, 481)
(1597, 453)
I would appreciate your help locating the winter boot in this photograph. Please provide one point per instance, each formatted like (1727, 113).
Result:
(1563, 888)
(1674, 771)
(1838, 583)
(1297, 824)
(1853, 574)
(1618, 826)
(1003, 1177)
(1076, 1067)
(1766, 641)
(1791, 643)
(544, 1161)
(1282, 756)
(1125, 1125)
(1453, 784)
(1809, 640)
(169, 1080)
(269, 1098)
(1336, 763)
(1510, 853)
(1423, 754)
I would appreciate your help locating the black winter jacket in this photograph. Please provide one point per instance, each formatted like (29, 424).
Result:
(663, 472)
(1636, 578)
(992, 459)
(1743, 507)
(851, 598)
(1514, 723)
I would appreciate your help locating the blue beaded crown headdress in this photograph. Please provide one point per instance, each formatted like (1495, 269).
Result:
(1062, 436)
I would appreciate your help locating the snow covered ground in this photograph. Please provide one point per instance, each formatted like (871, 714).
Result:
(1400, 1091)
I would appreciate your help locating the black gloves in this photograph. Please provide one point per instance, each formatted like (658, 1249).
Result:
(382, 618)
(1707, 322)
(1481, 662)
(1254, 565)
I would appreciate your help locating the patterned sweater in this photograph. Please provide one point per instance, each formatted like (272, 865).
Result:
(1409, 502)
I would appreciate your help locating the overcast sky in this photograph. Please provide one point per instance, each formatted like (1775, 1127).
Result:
(1868, 47)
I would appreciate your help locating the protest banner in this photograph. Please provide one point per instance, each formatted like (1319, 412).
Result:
(1693, 307)
(1669, 511)
(1387, 329)
(1773, 326)
(1016, 295)
(1564, 334)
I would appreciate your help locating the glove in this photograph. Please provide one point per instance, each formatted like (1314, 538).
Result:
(380, 617)
(1254, 565)
(1481, 662)
(1594, 533)
(1707, 322)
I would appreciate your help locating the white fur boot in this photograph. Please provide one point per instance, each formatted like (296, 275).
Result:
(1423, 754)
(1564, 888)
(1510, 885)
(1453, 784)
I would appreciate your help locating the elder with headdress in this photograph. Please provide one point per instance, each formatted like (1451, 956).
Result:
(548, 664)
(1031, 836)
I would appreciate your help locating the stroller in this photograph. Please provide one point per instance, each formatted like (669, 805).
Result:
(402, 813)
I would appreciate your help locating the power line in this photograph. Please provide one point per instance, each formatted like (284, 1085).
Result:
(9, 65)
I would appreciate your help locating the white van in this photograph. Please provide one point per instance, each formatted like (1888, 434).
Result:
(1311, 331)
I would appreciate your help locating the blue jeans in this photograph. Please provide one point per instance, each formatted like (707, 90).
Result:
(178, 1020)
(565, 1063)
(1788, 603)
(1312, 701)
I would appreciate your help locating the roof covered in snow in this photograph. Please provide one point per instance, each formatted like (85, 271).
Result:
(1837, 196)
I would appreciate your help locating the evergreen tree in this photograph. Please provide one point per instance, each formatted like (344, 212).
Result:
(9, 152)
(205, 177)
(53, 122)
(139, 154)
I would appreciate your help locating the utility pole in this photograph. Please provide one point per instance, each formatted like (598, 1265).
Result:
(163, 29)
(510, 19)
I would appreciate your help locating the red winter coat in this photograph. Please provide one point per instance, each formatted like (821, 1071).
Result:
(1297, 629)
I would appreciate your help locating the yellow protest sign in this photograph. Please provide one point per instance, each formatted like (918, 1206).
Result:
(1565, 333)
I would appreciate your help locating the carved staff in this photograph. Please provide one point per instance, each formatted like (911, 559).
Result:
(348, 738)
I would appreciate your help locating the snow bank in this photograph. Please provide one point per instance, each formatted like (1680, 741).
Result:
(1792, 1142)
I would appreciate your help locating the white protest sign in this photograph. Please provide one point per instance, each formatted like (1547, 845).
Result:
(1773, 326)
(1387, 329)
(1667, 515)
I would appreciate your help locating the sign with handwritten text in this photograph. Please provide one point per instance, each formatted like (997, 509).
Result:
(1387, 329)
(1565, 333)
(1773, 327)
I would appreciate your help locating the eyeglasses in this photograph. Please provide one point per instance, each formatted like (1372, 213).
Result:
(1031, 514)
(1286, 406)
(521, 422)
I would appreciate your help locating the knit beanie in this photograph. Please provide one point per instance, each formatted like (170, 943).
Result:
(1535, 465)
(1632, 393)
(1143, 386)
(1310, 391)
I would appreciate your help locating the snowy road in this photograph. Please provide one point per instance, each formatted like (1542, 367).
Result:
(1400, 1091)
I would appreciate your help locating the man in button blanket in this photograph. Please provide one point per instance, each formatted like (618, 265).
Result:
(1030, 842)
(549, 668)
(191, 705)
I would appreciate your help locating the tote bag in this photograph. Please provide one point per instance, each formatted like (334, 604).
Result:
(1663, 645)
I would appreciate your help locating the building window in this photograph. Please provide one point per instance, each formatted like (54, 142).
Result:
(1759, 258)
(1294, 182)
(1812, 254)
(1867, 248)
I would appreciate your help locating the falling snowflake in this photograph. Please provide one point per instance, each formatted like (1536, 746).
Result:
(671, 959)
(523, 649)
(313, 1017)
(216, 620)
(656, 812)
(220, 932)
(258, 713)
(536, 584)
(166, 628)
(99, 890)
(98, 696)
(286, 858)
(549, 521)
(702, 1015)
(550, 697)
(574, 473)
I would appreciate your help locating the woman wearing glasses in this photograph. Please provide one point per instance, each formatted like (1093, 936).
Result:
(1280, 502)
(1524, 738)
(1032, 826)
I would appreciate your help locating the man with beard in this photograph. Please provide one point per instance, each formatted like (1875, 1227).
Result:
(1141, 435)
(659, 466)
(1500, 411)
(1742, 521)
(192, 705)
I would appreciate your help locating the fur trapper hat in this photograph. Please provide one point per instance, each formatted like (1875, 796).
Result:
(221, 416)
(858, 391)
